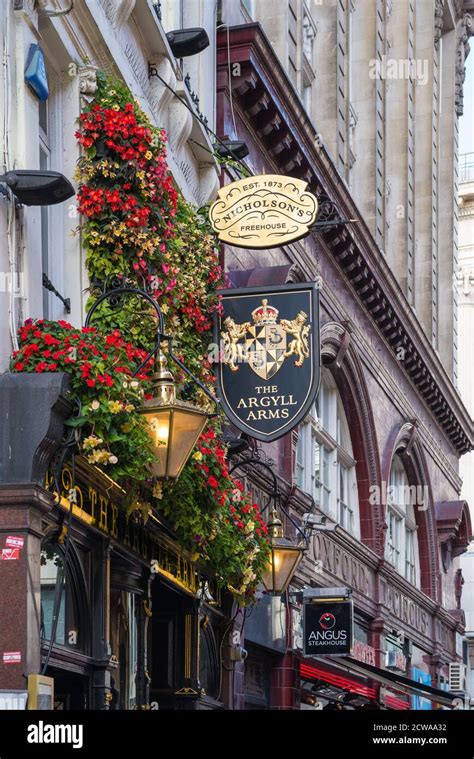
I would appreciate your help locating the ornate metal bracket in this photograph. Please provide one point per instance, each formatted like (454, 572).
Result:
(275, 495)
(48, 285)
(115, 295)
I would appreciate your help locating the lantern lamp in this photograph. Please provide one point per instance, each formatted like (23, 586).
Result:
(285, 556)
(174, 426)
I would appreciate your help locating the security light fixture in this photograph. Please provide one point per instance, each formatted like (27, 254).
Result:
(187, 42)
(285, 553)
(38, 188)
(231, 149)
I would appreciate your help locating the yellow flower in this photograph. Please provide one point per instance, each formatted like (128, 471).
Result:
(148, 155)
(115, 407)
(197, 456)
(92, 441)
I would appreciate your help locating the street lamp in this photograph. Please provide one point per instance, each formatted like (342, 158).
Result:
(173, 425)
(285, 554)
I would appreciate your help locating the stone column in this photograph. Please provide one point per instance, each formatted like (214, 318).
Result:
(32, 413)
(285, 683)
(21, 510)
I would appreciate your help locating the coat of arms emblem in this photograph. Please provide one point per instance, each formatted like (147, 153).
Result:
(268, 366)
(265, 344)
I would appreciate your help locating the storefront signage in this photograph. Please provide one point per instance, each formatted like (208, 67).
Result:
(396, 661)
(96, 508)
(327, 627)
(363, 652)
(403, 608)
(265, 211)
(342, 565)
(419, 676)
(12, 657)
(269, 358)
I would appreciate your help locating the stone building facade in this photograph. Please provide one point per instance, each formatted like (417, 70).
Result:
(375, 422)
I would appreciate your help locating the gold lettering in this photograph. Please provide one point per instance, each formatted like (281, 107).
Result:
(103, 504)
(93, 501)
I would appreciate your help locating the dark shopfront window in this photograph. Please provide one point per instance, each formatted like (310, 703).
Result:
(70, 627)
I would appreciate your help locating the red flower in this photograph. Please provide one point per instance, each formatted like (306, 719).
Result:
(213, 482)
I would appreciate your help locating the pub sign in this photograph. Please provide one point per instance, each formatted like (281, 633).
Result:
(269, 357)
(327, 627)
(263, 211)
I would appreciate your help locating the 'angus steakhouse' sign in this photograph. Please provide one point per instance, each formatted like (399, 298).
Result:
(269, 359)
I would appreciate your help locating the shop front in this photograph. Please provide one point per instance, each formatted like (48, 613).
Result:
(401, 640)
(117, 613)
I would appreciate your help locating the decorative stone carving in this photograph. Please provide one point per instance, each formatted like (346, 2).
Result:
(118, 11)
(453, 522)
(466, 31)
(87, 84)
(33, 409)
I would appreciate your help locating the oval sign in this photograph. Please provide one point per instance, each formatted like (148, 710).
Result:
(263, 212)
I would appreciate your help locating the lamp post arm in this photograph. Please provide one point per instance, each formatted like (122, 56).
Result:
(187, 371)
(295, 525)
(256, 460)
(117, 292)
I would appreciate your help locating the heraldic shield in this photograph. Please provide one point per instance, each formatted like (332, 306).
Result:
(269, 357)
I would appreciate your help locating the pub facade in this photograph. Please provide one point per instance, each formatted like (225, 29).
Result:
(127, 585)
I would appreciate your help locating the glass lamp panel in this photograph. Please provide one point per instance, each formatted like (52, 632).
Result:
(159, 427)
(281, 568)
(186, 428)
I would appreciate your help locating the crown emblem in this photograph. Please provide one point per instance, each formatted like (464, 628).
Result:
(265, 314)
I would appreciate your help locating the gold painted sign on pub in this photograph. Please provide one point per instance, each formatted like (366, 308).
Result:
(263, 212)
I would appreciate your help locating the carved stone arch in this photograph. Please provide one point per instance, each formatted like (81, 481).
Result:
(405, 442)
(340, 356)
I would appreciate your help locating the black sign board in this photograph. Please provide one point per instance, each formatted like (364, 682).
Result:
(327, 627)
(269, 357)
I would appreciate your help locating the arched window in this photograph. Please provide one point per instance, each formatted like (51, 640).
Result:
(325, 465)
(71, 626)
(401, 543)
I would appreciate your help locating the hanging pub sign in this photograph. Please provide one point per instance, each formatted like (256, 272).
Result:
(263, 212)
(327, 627)
(269, 357)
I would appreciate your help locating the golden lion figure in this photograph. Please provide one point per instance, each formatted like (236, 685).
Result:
(234, 333)
(299, 345)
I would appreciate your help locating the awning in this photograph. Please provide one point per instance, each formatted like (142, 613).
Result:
(309, 669)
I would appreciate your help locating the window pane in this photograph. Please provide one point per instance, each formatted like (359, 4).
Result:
(52, 578)
(51, 566)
